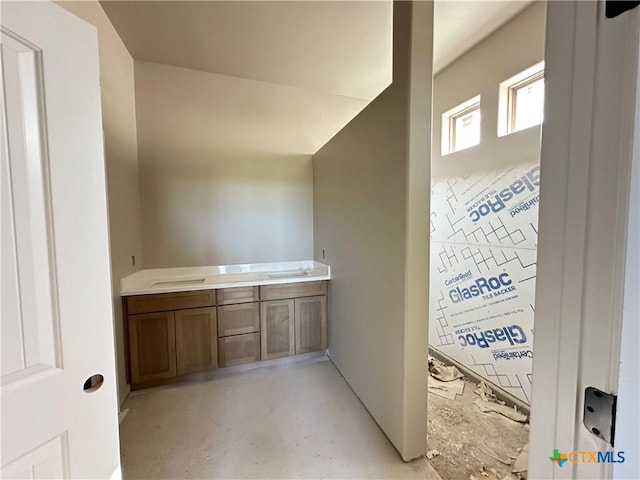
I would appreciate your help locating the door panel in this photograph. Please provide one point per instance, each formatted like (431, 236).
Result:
(27, 266)
(57, 319)
(311, 324)
(153, 346)
(196, 340)
(277, 325)
(46, 461)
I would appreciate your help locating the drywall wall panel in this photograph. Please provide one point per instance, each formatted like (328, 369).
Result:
(484, 216)
(217, 184)
(359, 224)
(226, 210)
(121, 161)
(370, 225)
(416, 330)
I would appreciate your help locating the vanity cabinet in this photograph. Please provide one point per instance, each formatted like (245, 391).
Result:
(170, 336)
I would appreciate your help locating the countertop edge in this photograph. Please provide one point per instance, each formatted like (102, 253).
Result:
(216, 286)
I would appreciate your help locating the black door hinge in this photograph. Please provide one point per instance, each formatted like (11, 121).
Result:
(613, 8)
(599, 415)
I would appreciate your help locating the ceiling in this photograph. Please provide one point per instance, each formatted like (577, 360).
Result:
(459, 25)
(281, 76)
(341, 48)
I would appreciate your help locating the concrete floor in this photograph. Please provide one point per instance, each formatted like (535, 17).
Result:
(295, 421)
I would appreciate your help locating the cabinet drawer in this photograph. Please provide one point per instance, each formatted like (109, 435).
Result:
(159, 302)
(238, 319)
(238, 349)
(227, 296)
(293, 290)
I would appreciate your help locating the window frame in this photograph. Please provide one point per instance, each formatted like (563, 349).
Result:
(507, 100)
(449, 124)
(513, 90)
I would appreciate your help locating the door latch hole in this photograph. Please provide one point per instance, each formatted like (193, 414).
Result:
(93, 383)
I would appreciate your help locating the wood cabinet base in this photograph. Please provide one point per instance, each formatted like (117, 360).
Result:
(172, 337)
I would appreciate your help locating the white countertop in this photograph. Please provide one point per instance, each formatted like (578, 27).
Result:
(182, 279)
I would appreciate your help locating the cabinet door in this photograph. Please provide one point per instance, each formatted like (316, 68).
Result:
(152, 342)
(238, 319)
(239, 349)
(311, 324)
(277, 330)
(196, 340)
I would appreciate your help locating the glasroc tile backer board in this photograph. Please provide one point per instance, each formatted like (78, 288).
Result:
(483, 271)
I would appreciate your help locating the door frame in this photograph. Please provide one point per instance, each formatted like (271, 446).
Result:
(587, 149)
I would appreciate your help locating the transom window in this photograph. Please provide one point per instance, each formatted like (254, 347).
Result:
(522, 100)
(461, 126)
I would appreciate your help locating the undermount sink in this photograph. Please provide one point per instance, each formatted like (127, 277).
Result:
(288, 274)
(178, 283)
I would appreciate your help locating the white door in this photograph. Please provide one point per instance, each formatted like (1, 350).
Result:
(56, 309)
(588, 137)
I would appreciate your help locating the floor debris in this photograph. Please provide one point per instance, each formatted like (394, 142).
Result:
(432, 453)
(466, 438)
(489, 403)
(445, 389)
(508, 412)
(485, 474)
(444, 373)
(521, 464)
(486, 393)
(495, 457)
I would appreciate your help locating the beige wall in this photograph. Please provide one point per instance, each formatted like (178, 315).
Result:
(514, 47)
(370, 199)
(206, 200)
(120, 143)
